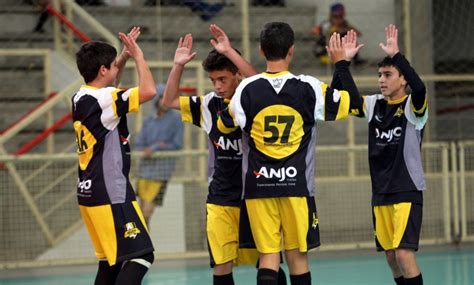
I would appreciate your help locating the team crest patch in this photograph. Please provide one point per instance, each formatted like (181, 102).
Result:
(277, 82)
(131, 230)
(399, 112)
(315, 220)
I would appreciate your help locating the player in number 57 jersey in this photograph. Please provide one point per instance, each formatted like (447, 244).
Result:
(277, 112)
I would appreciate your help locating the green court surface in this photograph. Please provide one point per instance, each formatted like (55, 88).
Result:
(453, 267)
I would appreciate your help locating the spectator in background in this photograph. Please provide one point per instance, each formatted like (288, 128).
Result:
(205, 10)
(161, 131)
(336, 23)
(44, 14)
(43, 17)
(280, 3)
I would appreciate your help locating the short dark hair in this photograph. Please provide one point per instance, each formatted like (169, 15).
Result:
(91, 56)
(216, 62)
(276, 39)
(387, 62)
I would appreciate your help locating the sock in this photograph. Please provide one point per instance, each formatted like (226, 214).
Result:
(302, 279)
(227, 279)
(281, 277)
(399, 280)
(267, 276)
(418, 280)
(107, 274)
(134, 270)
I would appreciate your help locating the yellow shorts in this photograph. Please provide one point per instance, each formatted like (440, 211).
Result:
(118, 231)
(293, 220)
(397, 226)
(151, 190)
(223, 236)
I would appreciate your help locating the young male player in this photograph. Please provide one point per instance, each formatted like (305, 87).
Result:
(106, 198)
(225, 68)
(277, 112)
(396, 124)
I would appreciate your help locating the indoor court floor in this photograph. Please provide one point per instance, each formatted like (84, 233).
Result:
(440, 266)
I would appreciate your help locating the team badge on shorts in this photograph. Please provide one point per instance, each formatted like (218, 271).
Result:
(131, 230)
(315, 220)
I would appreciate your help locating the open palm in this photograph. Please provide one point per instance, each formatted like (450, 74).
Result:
(220, 42)
(391, 46)
(349, 42)
(183, 53)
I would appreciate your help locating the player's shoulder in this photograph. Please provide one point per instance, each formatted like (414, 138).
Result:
(247, 81)
(373, 97)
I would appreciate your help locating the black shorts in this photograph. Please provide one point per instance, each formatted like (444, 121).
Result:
(397, 226)
(118, 231)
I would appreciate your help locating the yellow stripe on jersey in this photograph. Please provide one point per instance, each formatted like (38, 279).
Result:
(85, 144)
(114, 103)
(324, 88)
(220, 124)
(423, 108)
(185, 107)
(133, 100)
(344, 103)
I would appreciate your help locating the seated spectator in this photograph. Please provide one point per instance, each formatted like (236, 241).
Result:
(336, 23)
(205, 10)
(161, 131)
(268, 3)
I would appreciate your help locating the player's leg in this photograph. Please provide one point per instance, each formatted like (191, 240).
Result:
(405, 253)
(300, 227)
(397, 230)
(107, 274)
(407, 263)
(147, 191)
(248, 253)
(265, 222)
(392, 263)
(222, 226)
(134, 270)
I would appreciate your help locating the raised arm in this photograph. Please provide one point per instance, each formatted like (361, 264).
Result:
(146, 83)
(182, 56)
(416, 84)
(338, 51)
(222, 44)
(121, 60)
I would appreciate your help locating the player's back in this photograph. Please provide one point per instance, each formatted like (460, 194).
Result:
(102, 137)
(278, 113)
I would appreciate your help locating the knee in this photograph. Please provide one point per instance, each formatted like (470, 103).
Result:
(391, 258)
(403, 256)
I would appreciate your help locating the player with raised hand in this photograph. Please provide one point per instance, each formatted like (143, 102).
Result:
(396, 123)
(105, 195)
(277, 112)
(225, 67)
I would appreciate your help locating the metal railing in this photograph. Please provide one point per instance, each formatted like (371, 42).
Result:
(343, 196)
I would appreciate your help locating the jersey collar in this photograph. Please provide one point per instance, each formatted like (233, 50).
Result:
(397, 101)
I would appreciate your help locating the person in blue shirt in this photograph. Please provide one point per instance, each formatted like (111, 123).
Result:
(161, 131)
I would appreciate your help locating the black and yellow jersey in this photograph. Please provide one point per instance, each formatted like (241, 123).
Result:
(278, 113)
(395, 137)
(100, 124)
(225, 149)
